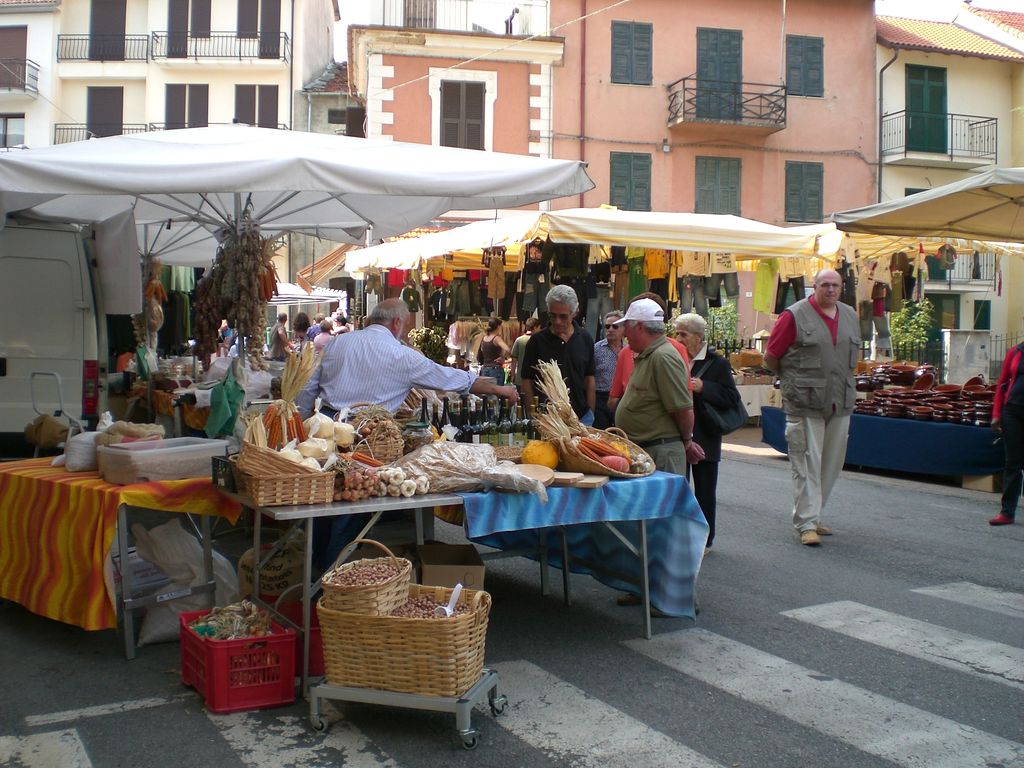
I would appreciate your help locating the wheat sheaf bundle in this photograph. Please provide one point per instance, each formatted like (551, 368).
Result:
(559, 420)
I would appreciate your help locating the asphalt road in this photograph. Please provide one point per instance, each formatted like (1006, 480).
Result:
(900, 641)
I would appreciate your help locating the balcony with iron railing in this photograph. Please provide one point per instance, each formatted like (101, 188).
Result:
(19, 76)
(102, 47)
(65, 133)
(939, 140)
(759, 107)
(170, 46)
(521, 17)
(969, 271)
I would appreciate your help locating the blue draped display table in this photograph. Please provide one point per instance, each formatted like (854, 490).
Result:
(594, 521)
(906, 445)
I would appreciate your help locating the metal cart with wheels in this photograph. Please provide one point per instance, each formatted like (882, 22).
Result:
(485, 689)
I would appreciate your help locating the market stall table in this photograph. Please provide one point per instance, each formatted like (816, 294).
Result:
(758, 396)
(664, 548)
(906, 445)
(57, 529)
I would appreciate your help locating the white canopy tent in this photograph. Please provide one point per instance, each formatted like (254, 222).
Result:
(336, 187)
(989, 206)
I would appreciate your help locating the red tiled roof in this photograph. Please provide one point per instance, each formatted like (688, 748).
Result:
(1011, 21)
(941, 37)
(334, 79)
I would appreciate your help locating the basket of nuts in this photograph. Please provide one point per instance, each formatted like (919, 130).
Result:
(412, 650)
(372, 586)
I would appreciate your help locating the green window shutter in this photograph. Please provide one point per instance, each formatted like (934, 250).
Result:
(622, 47)
(814, 66)
(718, 185)
(174, 105)
(794, 191)
(643, 53)
(705, 178)
(814, 192)
(619, 183)
(805, 191)
(982, 315)
(729, 186)
(805, 65)
(473, 115)
(451, 113)
(640, 177)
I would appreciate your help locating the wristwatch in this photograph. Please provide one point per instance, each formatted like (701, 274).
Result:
(687, 439)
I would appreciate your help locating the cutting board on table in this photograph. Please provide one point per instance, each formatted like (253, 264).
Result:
(567, 478)
(591, 481)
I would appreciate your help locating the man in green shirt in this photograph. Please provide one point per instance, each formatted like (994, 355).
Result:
(656, 410)
(519, 349)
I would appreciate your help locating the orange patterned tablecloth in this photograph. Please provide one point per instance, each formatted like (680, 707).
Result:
(57, 529)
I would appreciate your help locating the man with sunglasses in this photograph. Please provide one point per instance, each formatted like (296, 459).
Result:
(814, 348)
(606, 353)
(568, 344)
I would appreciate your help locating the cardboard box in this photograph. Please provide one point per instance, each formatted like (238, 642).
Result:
(987, 483)
(445, 565)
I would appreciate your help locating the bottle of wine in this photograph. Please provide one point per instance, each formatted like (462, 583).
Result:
(463, 420)
(520, 426)
(475, 430)
(505, 430)
(424, 419)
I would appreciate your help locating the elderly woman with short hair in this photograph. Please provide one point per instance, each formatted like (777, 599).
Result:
(713, 384)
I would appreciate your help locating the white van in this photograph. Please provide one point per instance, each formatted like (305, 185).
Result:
(50, 326)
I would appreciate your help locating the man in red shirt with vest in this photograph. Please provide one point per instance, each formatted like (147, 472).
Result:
(814, 348)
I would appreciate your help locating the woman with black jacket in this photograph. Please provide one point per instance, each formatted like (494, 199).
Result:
(713, 383)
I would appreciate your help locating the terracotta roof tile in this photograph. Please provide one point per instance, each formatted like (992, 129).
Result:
(334, 79)
(1011, 21)
(941, 37)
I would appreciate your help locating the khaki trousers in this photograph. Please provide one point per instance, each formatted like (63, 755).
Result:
(817, 451)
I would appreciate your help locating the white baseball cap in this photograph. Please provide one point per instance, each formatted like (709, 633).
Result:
(644, 311)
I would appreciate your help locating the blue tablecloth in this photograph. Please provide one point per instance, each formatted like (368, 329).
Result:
(676, 531)
(906, 445)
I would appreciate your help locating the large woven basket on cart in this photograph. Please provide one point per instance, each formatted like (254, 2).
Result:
(570, 458)
(371, 599)
(432, 657)
(384, 443)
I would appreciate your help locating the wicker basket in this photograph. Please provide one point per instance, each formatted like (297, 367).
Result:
(385, 442)
(572, 460)
(283, 490)
(369, 599)
(431, 657)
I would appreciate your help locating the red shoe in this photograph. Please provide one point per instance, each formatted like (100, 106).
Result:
(1001, 519)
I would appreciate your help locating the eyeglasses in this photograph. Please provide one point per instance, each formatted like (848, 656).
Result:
(609, 326)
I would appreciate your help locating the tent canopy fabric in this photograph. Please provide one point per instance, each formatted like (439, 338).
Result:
(336, 187)
(290, 294)
(988, 206)
(745, 238)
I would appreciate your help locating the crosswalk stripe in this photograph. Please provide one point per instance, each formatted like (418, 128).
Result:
(870, 722)
(570, 726)
(102, 710)
(977, 596)
(44, 750)
(289, 742)
(955, 650)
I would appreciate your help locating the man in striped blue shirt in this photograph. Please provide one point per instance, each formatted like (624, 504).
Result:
(374, 366)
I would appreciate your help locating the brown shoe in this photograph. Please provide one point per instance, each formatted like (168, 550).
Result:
(823, 530)
(809, 538)
(628, 599)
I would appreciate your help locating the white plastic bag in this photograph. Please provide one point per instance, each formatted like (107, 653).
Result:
(80, 449)
(179, 555)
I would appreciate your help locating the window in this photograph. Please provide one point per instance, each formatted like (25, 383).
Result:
(907, 191)
(186, 105)
(804, 191)
(462, 114)
(805, 66)
(630, 181)
(982, 315)
(199, 22)
(13, 130)
(632, 52)
(336, 116)
(719, 74)
(256, 105)
(718, 185)
(926, 109)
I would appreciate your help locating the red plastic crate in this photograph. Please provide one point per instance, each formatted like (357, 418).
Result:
(236, 675)
(293, 611)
